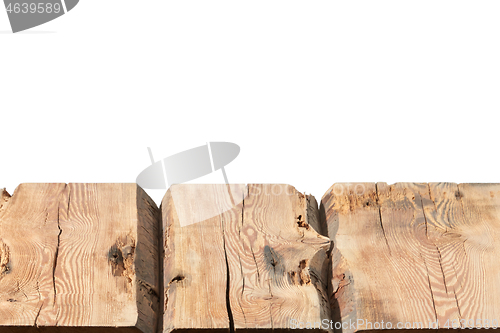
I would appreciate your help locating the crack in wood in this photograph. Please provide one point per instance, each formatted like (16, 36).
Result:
(56, 254)
(4, 199)
(241, 266)
(430, 196)
(458, 306)
(37, 288)
(228, 281)
(380, 218)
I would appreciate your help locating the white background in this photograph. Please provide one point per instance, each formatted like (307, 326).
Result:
(314, 92)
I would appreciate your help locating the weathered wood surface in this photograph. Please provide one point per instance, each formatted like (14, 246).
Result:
(414, 253)
(79, 257)
(257, 264)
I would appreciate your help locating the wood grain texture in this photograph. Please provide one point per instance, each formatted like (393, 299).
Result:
(79, 257)
(194, 261)
(257, 264)
(416, 254)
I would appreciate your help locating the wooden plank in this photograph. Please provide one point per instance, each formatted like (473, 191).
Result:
(414, 255)
(79, 257)
(194, 261)
(258, 264)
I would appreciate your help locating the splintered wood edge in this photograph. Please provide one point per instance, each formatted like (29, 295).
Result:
(4, 199)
